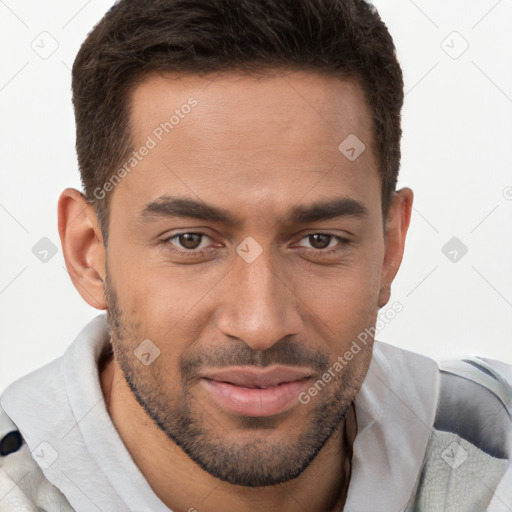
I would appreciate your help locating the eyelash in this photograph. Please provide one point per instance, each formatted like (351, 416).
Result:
(342, 243)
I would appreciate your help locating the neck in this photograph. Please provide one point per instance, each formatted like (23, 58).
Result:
(322, 487)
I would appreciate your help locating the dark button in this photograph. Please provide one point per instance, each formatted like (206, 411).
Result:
(10, 443)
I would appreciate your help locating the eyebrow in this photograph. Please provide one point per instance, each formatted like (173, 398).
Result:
(169, 206)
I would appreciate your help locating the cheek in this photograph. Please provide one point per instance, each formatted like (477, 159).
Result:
(351, 285)
(170, 305)
(149, 286)
(343, 302)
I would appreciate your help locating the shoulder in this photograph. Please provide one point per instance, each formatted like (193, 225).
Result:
(476, 402)
(23, 485)
(467, 390)
(468, 460)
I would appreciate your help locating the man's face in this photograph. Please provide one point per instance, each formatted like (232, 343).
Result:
(277, 271)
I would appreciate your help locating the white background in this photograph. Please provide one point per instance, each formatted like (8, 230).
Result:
(457, 157)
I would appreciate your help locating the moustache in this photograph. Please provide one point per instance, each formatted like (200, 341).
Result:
(286, 353)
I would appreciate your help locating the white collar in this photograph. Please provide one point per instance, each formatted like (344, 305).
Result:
(395, 411)
(62, 404)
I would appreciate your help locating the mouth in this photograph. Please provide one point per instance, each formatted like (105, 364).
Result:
(249, 391)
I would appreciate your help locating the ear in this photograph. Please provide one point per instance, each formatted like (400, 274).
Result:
(397, 224)
(82, 246)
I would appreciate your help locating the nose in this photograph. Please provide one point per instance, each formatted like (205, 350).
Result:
(259, 306)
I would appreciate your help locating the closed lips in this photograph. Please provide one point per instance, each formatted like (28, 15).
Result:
(252, 391)
(251, 377)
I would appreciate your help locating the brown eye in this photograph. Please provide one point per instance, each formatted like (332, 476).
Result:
(324, 243)
(191, 244)
(319, 240)
(190, 240)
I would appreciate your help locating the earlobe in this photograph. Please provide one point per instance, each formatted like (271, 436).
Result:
(82, 246)
(384, 295)
(397, 224)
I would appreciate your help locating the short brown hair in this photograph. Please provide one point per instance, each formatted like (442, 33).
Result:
(138, 37)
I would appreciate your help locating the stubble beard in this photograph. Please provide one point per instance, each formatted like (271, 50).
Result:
(256, 455)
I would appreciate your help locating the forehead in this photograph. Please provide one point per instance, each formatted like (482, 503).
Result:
(277, 100)
(260, 136)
